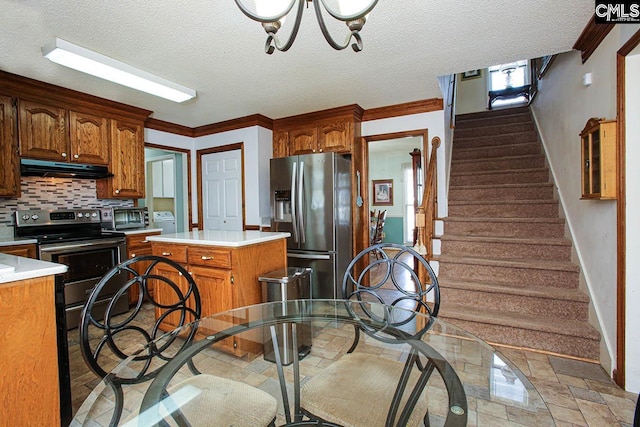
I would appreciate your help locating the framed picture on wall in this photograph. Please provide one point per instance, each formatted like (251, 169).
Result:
(471, 74)
(382, 192)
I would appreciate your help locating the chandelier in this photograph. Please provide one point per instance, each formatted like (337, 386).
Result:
(272, 13)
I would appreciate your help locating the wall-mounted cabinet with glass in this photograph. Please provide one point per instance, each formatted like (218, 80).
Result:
(599, 163)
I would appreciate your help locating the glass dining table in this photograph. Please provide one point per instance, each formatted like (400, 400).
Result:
(279, 347)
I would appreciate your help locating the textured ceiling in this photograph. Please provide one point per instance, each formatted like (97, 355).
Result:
(212, 47)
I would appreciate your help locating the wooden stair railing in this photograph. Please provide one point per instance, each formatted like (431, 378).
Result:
(426, 212)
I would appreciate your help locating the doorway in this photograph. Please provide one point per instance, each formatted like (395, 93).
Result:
(221, 189)
(168, 185)
(387, 156)
(628, 206)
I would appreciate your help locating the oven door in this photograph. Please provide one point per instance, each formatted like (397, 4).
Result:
(87, 262)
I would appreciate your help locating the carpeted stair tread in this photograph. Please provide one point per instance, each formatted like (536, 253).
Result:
(544, 292)
(506, 138)
(503, 220)
(565, 327)
(510, 263)
(514, 240)
(477, 122)
(501, 202)
(491, 152)
(498, 186)
(491, 113)
(529, 157)
(499, 172)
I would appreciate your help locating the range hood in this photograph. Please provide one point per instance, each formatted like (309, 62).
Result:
(30, 167)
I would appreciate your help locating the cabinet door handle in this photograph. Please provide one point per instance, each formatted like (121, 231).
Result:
(206, 258)
(133, 255)
(75, 156)
(144, 241)
(64, 154)
(166, 254)
(117, 191)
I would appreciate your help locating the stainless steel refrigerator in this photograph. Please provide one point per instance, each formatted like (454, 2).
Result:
(311, 199)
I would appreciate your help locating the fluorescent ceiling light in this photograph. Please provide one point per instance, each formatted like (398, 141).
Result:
(90, 62)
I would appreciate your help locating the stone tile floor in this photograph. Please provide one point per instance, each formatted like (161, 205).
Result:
(577, 393)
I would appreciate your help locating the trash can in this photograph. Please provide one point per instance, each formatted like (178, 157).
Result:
(284, 285)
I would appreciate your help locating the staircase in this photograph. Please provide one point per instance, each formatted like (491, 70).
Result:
(505, 268)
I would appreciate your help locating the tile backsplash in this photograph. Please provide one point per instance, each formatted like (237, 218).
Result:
(54, 193)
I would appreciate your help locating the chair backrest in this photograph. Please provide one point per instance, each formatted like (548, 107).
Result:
(106, 337)
(379, 227)
(390, 274)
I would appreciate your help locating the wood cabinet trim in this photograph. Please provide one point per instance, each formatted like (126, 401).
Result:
(301, 120)
(26, 88)
(415, 107)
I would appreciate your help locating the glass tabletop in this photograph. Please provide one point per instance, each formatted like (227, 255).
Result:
(279, 347)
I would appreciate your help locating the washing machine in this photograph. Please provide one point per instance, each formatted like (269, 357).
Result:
(165, 220)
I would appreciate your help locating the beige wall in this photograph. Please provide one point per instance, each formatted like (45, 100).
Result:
(472, 94)
(561, 109)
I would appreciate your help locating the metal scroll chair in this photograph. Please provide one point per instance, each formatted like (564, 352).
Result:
(390, 280)
(107, 339)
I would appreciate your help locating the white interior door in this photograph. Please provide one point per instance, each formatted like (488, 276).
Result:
(222, 188)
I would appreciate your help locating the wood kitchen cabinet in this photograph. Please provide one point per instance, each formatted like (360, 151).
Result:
(127, 162)
(27, 251)
(29, 382)
(53, 133)
(332, 130)
(43, 131)
(227, 278)
(89, 138)
(9, 160)
(303, 141)
(599, 162)
(280, 144)
(138, 245)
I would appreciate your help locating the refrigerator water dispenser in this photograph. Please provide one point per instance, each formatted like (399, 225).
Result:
(282, 205)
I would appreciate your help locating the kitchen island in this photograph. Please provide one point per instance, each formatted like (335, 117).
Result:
(226, 266)
(29, 378)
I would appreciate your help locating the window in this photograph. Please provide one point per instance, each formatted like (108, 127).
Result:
(409, 200)
(512, 74)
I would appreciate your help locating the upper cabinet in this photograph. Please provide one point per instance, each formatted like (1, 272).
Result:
(43, 131)
(330, 130)
(9, 161)
(599, 162)
(47, 122)
(89, 138)
(54, 133)
(162, 178)
(127, 162)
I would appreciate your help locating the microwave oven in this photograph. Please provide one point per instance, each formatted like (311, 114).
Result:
(124, 218)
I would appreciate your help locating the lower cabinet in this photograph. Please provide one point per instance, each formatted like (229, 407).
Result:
(27, 251)
(227, 278)
(28, 349)
(137, 245)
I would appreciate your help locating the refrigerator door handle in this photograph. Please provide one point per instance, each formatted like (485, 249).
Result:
(308, 256)
(294, 219)
(300, 202)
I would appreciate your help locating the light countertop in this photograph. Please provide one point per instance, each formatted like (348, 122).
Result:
(13, 268)
(12, 241)
(137, 231)
(220, 238)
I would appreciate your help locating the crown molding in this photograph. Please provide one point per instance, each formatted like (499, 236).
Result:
(592, 35)
(26, 88)
(415, 107)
